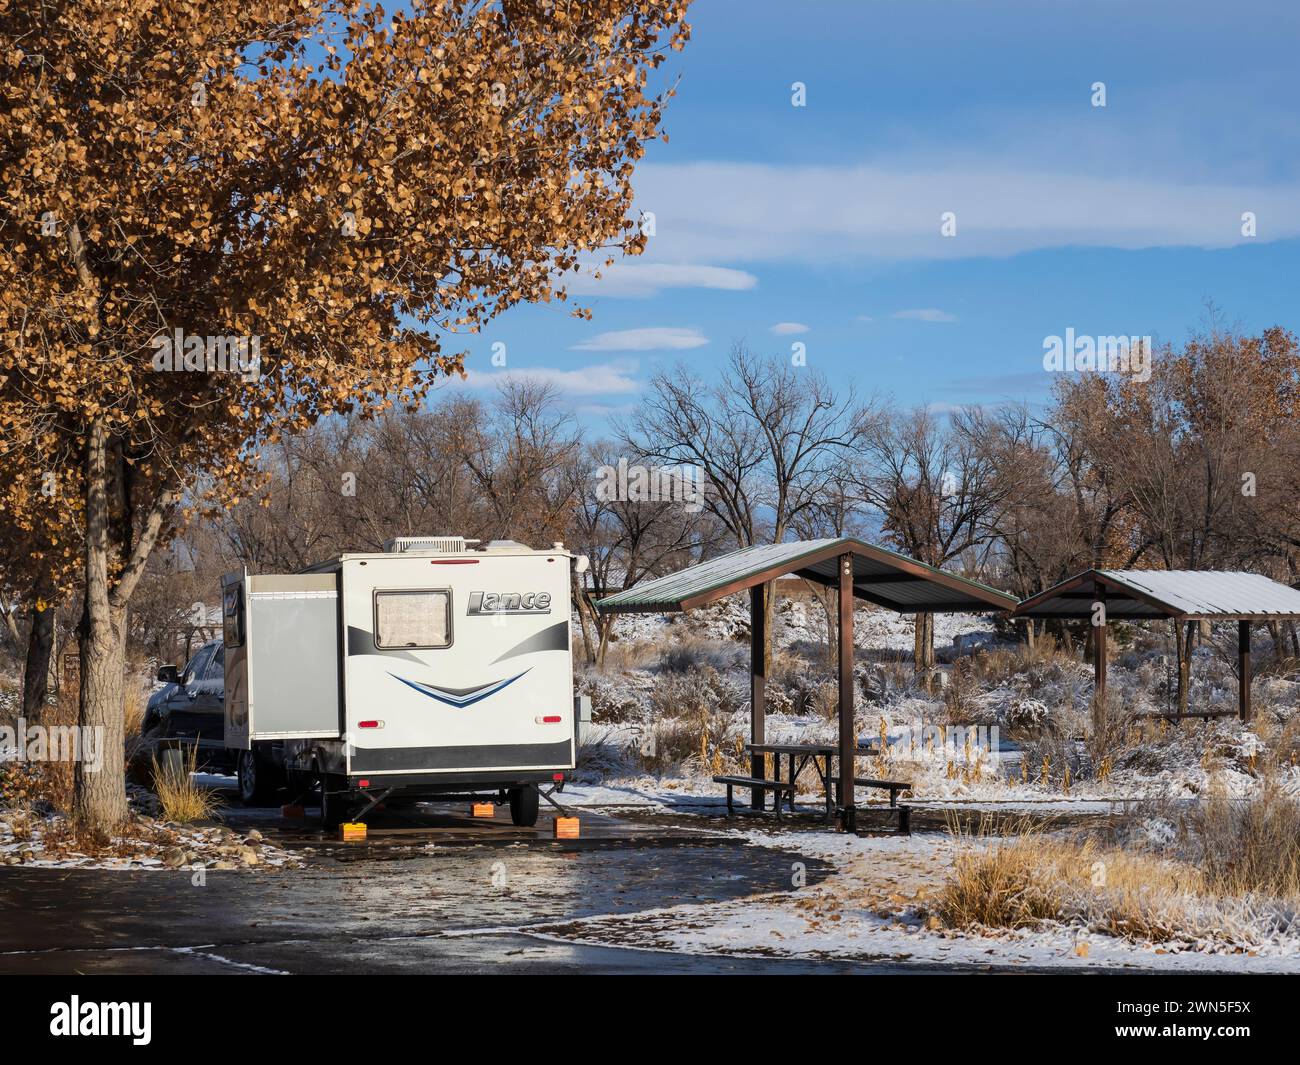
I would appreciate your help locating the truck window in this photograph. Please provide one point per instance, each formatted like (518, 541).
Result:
(196, 665)
(413, 618)
(217, 667)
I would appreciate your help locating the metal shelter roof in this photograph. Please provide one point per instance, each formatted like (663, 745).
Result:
(1193, 595)
(880, 576)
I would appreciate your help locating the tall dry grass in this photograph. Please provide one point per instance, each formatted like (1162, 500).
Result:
(1030, 877)
(1247, 846)
(181, 798)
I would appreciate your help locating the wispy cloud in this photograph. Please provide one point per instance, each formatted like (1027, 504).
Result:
(925, 314)
(641, 279)
(1000, 384)
(784, 329)
(864, 318)
(654, 338)
(616, 377)
(892, 210)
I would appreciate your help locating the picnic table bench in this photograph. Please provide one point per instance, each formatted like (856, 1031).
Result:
(757, 784)
(902, 811)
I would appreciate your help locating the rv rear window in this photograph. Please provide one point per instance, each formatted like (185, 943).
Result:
(232, 616)
(413, 619)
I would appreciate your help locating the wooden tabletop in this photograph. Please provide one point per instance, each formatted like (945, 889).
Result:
(791, 748)
(808, 748)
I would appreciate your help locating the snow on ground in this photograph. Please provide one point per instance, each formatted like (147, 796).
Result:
(40, 837)
(872, 909)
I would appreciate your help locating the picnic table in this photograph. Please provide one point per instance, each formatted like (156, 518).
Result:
(798, 757)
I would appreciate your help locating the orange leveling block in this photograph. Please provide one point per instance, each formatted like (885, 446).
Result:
(352, 831)
(484, 809)
(566, 828)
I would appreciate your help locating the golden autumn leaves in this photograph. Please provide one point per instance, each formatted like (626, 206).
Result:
(198, 162)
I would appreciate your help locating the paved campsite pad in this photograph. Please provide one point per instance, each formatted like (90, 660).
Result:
(424, 894)
(431, 901)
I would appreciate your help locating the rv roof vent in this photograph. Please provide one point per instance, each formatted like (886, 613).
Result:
(504, 545)
(446, 545)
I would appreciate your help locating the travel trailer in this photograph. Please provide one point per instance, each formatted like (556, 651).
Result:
(434, 669)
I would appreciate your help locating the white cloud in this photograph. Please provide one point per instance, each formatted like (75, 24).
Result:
(865, 318)
(601, 379)
(782, 329)
(751, 212)
(655, 338)
(641, 279)
(925, 314)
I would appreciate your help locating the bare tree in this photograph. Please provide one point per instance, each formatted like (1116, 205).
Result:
(766, 438)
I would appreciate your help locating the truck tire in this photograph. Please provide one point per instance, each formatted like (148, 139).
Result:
(523, 806)
(333, 800)
(259, 779)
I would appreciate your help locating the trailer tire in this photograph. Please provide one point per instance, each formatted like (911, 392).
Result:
(523, 805)
(259, 779)
(333, 800)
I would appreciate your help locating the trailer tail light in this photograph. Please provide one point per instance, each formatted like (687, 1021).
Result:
(549, 719)
(557, 776)
(363, 783)
(370, 724)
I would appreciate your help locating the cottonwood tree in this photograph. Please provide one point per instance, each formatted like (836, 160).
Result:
(39, 534)
(766, 436)
(937, 492)
(1221, 407)
(628, 540)
(176, 166)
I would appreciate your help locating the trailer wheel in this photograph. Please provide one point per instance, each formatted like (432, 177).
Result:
(258, 779)
(333, 800)
(523, 806)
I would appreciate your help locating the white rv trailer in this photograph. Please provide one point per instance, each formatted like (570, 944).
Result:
(433, 668)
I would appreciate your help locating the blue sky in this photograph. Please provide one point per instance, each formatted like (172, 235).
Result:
(820, 224)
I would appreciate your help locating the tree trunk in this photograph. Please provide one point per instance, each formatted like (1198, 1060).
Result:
(11, 628)
(1275, 634)
(36, 669)
(605, 626)
(828, 598)
(1184, 640)
(100, 791)
(581, 605)
(923, 642)
(769, 628)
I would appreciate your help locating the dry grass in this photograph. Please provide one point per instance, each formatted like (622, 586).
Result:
(1033, 878)
(182, 800)
(133, 708)
(1248, 846)
(621, 656)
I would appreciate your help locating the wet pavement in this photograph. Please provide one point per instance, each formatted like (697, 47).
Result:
(440, 898)
(430, 891)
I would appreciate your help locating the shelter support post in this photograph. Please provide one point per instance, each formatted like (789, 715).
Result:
(1099, 651)
(1243, 670)
(758, 688)
(847, 759)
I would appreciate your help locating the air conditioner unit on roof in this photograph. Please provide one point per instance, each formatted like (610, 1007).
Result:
(441, 544)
